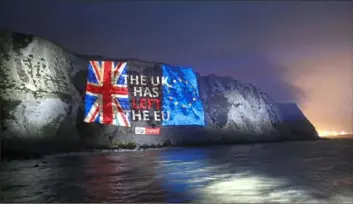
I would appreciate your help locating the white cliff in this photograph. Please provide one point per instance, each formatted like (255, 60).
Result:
(232, 106)
(38, 100)
(42, 88)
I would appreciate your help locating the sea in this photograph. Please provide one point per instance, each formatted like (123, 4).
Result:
(297, 172)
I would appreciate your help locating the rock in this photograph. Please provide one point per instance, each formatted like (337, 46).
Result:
(238, 109)
(38, 101)
(294, 119)
(42, 102)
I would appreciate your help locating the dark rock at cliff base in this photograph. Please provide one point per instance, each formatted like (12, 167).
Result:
(42, 103)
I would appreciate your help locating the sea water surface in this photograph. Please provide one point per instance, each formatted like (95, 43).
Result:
(316, 171)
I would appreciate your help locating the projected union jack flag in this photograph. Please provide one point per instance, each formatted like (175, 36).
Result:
(107, 93)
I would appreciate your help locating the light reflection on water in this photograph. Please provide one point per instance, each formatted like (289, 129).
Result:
(320, 171)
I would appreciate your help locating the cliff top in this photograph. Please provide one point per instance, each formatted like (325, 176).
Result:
(25, 36)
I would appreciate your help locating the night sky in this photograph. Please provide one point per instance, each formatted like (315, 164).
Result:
(296, 52)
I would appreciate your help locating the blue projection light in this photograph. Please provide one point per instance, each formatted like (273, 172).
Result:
(181, 98)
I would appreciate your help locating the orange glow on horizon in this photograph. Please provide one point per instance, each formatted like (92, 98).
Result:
(332, 133)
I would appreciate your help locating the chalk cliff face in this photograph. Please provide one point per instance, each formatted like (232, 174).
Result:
(42, 90)
(38, 100)
(235, 107)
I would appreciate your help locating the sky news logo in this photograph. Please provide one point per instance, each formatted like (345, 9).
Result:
(147, 131)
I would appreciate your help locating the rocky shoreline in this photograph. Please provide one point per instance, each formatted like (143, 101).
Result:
(131, 147)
